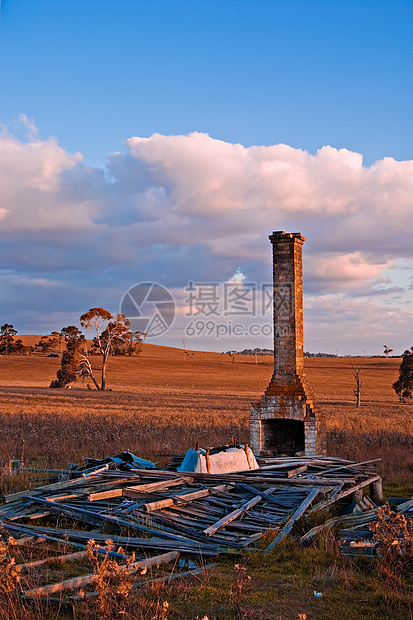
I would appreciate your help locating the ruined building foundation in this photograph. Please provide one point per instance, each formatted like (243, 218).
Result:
(285, 420)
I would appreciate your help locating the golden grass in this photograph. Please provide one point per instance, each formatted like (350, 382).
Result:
(165, 400)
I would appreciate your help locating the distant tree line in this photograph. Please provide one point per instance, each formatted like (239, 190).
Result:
(308, 354)
(111, 337)
(8, 344)
(256, 351)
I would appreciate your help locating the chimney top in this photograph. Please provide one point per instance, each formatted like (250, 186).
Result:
(280, 234)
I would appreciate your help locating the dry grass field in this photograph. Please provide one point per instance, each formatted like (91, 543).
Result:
(161, 403)
(164, 400)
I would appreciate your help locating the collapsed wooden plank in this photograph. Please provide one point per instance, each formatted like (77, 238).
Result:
(341, 494)
(137, 490)
(81, 582)
(64, 497)
(78, 482)
(256, 476)
(291, 473)
(288, 527)
(348, 466)
(183, 497)
(352, 519)
(38, 515)
(274, 499)
(78, 538)
(158, 505)
(68, 557)
(157, 486)
(28, 529)
(95, 497)
(405, 506)
(25, 541)
(209, 531)
(156, 580)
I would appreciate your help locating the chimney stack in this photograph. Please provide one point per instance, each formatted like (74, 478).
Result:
(285, 420)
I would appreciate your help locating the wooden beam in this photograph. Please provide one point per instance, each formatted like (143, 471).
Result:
(291, 473)
(81, 582)
(350, 466)
(95, 497)
(183, 497)
(78, 482)
(231, 516)
(342, 494)
(288, 527)
(68, 557)
(134, 491)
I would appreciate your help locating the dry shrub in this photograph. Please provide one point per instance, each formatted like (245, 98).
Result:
(239, 589)
(393, 534)
(114, 589)
(9, 572)
(10, 607)
(113, 582)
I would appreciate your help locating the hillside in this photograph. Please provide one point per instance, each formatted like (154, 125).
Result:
(166, 399)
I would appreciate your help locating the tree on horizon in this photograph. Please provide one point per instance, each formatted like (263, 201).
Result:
(112, 337)
(404, 384)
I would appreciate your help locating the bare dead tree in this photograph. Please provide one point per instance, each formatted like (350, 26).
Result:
(359, 383)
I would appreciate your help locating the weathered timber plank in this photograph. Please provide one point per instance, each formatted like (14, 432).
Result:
(168, 578)
(350, 466)
(68, 557)
(162, 503)
(183, 497)
(77, 482)
(291, 473)
(297, 514)
(95, 497)
(406, 506)
(28, 529)
(79, 538)
(273, 499)
(209, 531)
(352, 519)
(81, 582)
(60, 498)
(344, 493)
(155, 486)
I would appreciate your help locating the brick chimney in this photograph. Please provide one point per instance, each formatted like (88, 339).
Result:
(285, 420)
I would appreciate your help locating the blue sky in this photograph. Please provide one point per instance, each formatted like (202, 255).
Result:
(88, 76)
(304, 73)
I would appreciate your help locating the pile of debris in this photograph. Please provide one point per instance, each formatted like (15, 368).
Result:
(195, 514)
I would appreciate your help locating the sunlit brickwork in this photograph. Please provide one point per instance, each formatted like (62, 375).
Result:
(285, 420)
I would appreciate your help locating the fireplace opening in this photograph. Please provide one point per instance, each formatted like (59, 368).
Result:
(282, 437)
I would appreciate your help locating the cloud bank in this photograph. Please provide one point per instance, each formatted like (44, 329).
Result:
(178, 208)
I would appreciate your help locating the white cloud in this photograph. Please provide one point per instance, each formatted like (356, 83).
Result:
(188, 207)
(345, 269)
(235, 190)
